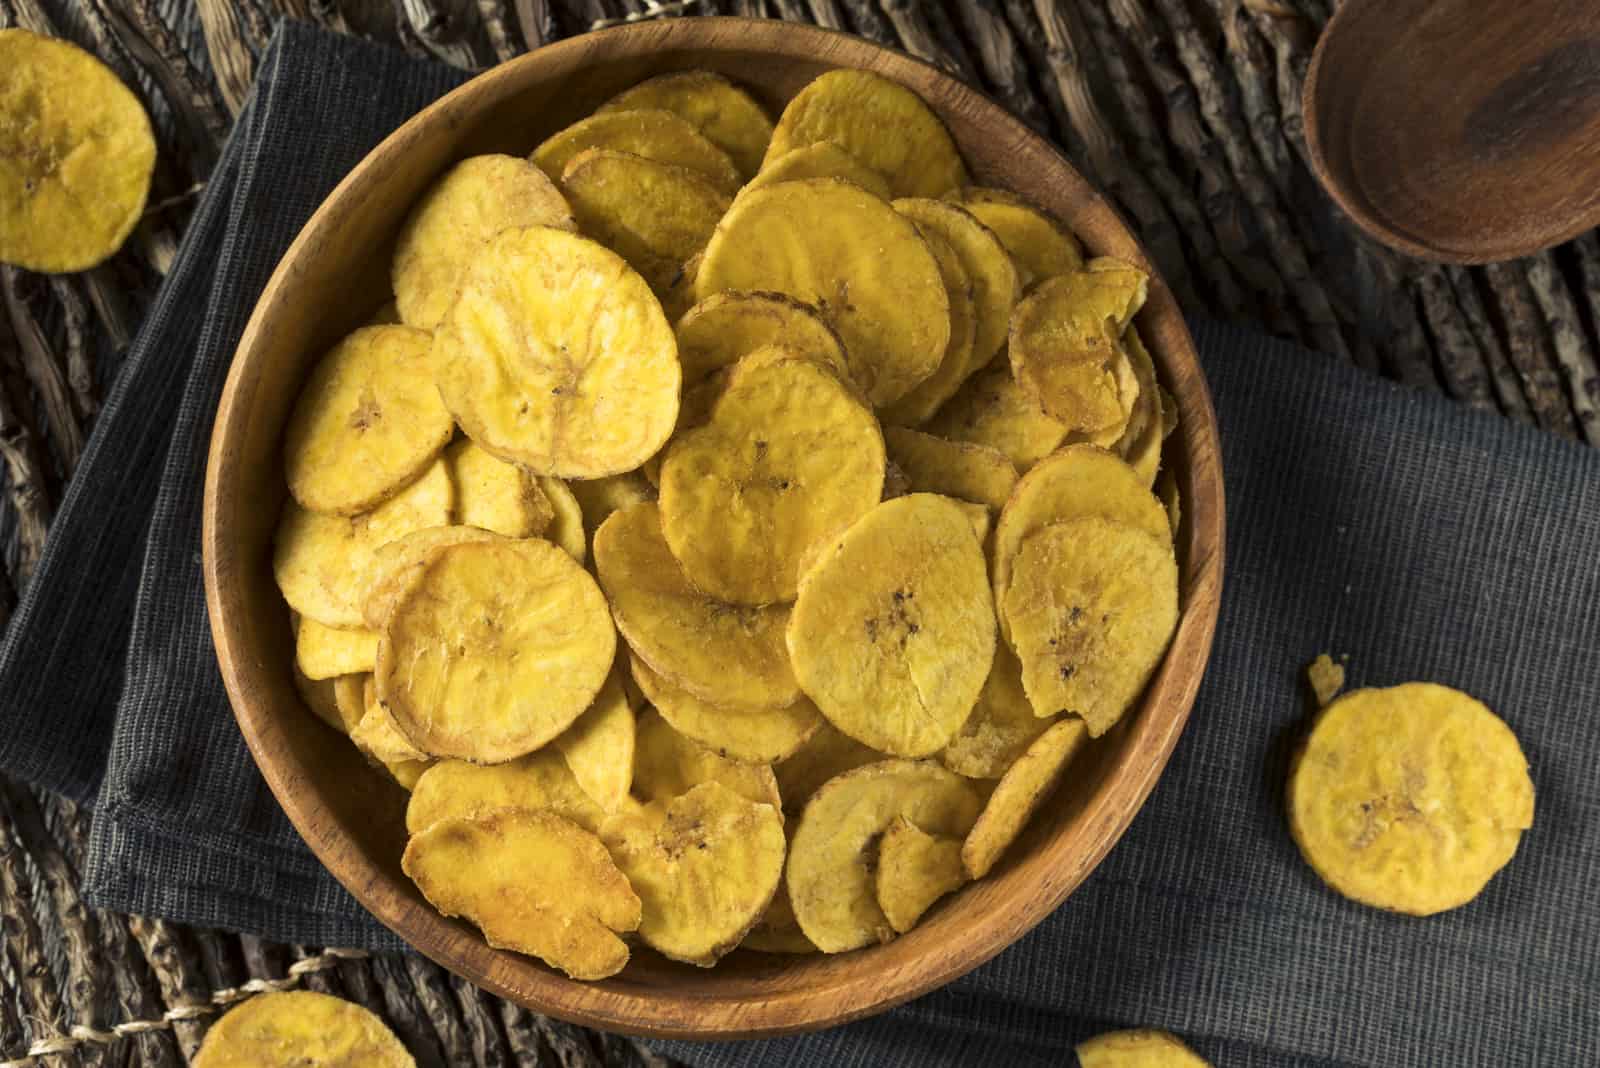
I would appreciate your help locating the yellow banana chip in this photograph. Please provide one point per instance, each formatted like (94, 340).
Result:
(978, 517)
(476, 199)
(992, 272)
(1021, 790)
(882, 123)
(893, 632)
(300, 1029)
(1409, 798)
(991, 409)
(1001, 727)
(1092, 604)
(915, 869)
(723, 653)
(76, 155)
(598, 747)
(568, 915)
(494, 495)
(325, 652)
(831, 883)
(320, 697)
(961, 469)
(378, 736)
(777, 931)
(396, 563)
(679, 296)
(726, 327)
(567, 523)
(788, 458)
(598, 497)
(668, 765)
(1039, 245)
(853, 257)
(350, 700)
(1140, 443)
(820, 159)
(727, 115)
(1325, 677)
(557, 357)
(1137, 1049)
(541, 781)
(653, 133)
(494, 649)
(750, 735)
(955, 366)
(322, 562)
(1167, 493)
(368, 421)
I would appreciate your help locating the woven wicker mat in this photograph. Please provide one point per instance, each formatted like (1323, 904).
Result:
(1186, 111)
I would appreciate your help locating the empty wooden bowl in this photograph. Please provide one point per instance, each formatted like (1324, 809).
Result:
(332, 277)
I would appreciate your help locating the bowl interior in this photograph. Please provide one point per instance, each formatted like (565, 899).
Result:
(332, 278)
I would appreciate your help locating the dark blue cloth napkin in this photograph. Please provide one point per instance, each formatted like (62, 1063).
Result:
(1423, 540)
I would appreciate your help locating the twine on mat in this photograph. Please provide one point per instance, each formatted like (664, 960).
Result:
(79, 1034)
(652, 9)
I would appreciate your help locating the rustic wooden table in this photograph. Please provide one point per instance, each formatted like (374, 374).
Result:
(1186, 111)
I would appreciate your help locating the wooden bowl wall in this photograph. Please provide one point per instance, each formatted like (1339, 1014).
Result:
(331, 278)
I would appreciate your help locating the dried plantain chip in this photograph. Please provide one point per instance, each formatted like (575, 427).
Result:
(1039, 245)
(653, 133)
(541, 781)
(1409, 798)
(1001, 727)
(300, 1029)
(557, 357)
(1137, 1049)
(915, 869)
(76, 155)
(830, 881)
(893, 632)
(396, 563)
(727, 115)
(494, 649)
(777, 931)
(991, 409)
(726, 327)
(494, 495)
(748, 734)
(377, 735)
(668, 765)
(569, 916)
(723, 653)
(598, 747)
(882, 123)
(789, 457)
(368, 421)
(350, 700)
(1092, 604)
(320, 697)
(859, 262)
(978, 517)
(960, 469)
(322, 562)
(324, 652)
(820, 159)
(598, 497)
(995, 282)
(826, 754)
(476, 199)
(955, 366)
(1021, 790)
(1140, 443)
(567, 524)
(1325, 678)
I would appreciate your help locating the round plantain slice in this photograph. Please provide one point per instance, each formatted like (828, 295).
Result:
(668, 765)
(830, 881)
(326, 652)
(493, 649)
(557, 357)
(1137, 1049)
(655, 215)
(368, 421)
(728, 116)
(1021, 790)
(566, 525)
(882, 123)
(726, 327)
(820, 159)
(925, 398)
(395, 563)
(494, 495)
(300, 1029)
(377, 735)
(1039, 245)
(76, 155)
(1140, 443)
(750, 735)
(1409, 798)
(569, 916)
(598, 747)
(476, 199)
(959, 469)
(653, 133)
(1001, 727)
(893, 632)
(1092, 604)
(863, 266)
(541, 781)
(915, 869)
(777, 931)
(723, 653)
(322, 562)
(992, 410)
(789, 457)
(705, 867)
(993, 274)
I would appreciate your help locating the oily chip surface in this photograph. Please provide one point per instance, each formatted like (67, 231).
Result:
(653, 133)
(961, 469)
(1001, 727)
(598, 747)
(541, 781)
(992, 409)
(1039, 245)
(668, 765)
(746, 733)
(915, 869)
(727, 115)
(557, 356)
(1024, 786)
(1409, 798)
(1138, 1049)
(300, 1029)
(820, 159)
(893, 632)
(726, 327)
(76, 155)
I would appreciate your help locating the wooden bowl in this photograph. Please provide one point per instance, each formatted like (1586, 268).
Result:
(332, 277)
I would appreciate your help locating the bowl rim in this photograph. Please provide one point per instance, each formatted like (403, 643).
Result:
(867, 991)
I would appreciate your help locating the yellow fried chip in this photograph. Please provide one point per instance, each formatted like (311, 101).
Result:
(568, 914)
(649, 132)
(828, 753)
(323, 562)
(1021, 790)
(915, 869)
(955, 366)
(1325, 677)
(378, 736)
(325, 652)
(882, 123)
(860, 263)
(1140, 443)
(1001, 727)
(893, 632)
(598, 747)
(494, 495)
(679, 295)
(978, 517)
(727, 115)
(750, 735)
(350, 700)
(831, 884)
(789, 457)
(1092, 604)
(1409, 798)
(557, 357)
(598, 497)
(541, 781)
(992, 272)
(962, 469)
(1167, 493)
(567, 522)
(1039, 245)
(726, 327)
(300, 1029)
(654, 215)
(368, 421)
(723, 653)
(668, 765)
(320, 697)
(494, 649)
(76, 155)
(991, 409)
(1137, 1049)
(705, 867)
(820, 159)
(777, 931)
(448, 227)
(395, 563)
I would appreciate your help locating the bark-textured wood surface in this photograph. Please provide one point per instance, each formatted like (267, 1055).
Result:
(1187, 112)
